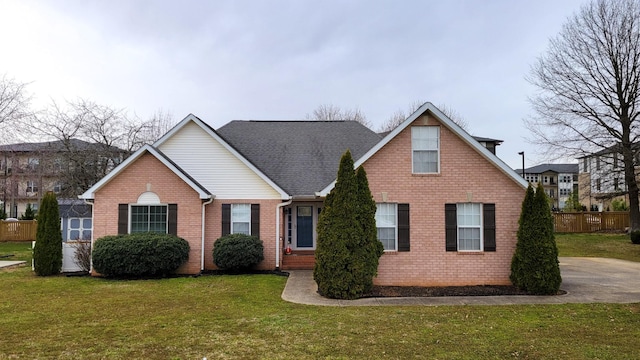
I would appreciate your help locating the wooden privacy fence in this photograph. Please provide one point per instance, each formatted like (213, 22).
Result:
(585, 222)
(21, 230)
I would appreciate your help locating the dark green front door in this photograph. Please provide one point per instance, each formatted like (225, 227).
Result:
(304, 221)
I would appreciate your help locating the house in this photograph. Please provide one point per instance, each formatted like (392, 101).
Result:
(29, 170)
(439, 222)
(559, 181)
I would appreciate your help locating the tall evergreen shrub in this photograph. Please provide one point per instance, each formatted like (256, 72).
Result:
(534, 266)
(345, 250)
(367, 251)
(47, 253)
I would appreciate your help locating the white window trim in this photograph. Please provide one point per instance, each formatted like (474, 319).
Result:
(395, 227)
(481, 227)
(147, 205)
(437, 151)
(239, 222)
(80, 229)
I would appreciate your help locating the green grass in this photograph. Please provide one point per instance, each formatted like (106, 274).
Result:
(243, 317)
(16, 251)
(616, 246)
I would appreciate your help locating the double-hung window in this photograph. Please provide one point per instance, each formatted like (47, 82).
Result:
(425, 145)
(148, 218)
(469, 227)
(387, 225)
(241, 219)
(32, 186)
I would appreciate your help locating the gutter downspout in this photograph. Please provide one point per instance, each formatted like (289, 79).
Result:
(90, 203)
(278, 208)
(202, 232)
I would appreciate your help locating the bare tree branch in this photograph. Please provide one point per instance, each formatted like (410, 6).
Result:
(588, 85)
(15, 105)
(328, 112)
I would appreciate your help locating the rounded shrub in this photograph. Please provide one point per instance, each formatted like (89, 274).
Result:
(237, 252)
(139, 255)
(635, 237)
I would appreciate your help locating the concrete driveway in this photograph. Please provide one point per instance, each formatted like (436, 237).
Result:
(586, 280)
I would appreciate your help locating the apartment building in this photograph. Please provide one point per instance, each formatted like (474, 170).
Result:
(29, 170)
(558, 180)
(601, 179)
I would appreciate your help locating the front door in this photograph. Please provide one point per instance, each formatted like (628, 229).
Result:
(304, 221)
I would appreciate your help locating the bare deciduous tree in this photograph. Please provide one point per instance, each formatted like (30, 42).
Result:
(588, 83)
(91, 139)
(328, 112)
(15, 104)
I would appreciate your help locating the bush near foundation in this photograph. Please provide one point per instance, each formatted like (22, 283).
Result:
(139, 255)
(237, 252)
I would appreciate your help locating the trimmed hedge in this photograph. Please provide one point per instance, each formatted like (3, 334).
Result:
(237, 252)
(139, 255)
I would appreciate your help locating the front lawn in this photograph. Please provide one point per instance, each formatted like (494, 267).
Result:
(222, 317)
(244, 317)
(16, 251)
(616, 246)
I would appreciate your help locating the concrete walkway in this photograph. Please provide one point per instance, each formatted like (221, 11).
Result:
(586, 280)
(9, 264)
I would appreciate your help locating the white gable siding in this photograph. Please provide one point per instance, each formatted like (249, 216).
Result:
(214, 167)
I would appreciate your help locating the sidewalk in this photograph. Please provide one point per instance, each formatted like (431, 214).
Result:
(9, 264)
(586, 280)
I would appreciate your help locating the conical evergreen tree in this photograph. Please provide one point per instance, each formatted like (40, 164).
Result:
(29, 214)
(47, 253)
(368, 249)
(534, 266)
(346, 233)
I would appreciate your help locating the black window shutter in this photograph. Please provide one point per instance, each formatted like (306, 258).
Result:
(255, 220)
(172, 219)
(451, 227)
(489, 222)
(226, 219)
(123, 218)
(404, 243)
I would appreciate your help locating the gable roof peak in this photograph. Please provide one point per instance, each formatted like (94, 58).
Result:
(449, 124)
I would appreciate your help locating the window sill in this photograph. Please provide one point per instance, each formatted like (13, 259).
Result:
(425, 174)
(470, 252)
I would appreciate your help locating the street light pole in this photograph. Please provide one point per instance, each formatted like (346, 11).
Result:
(522, 154)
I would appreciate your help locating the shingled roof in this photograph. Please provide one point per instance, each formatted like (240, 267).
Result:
(558, 168)
(302, 157)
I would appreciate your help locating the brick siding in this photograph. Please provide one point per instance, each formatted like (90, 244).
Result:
(465, 176)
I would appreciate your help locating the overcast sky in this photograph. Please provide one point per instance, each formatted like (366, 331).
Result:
(279, 60)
